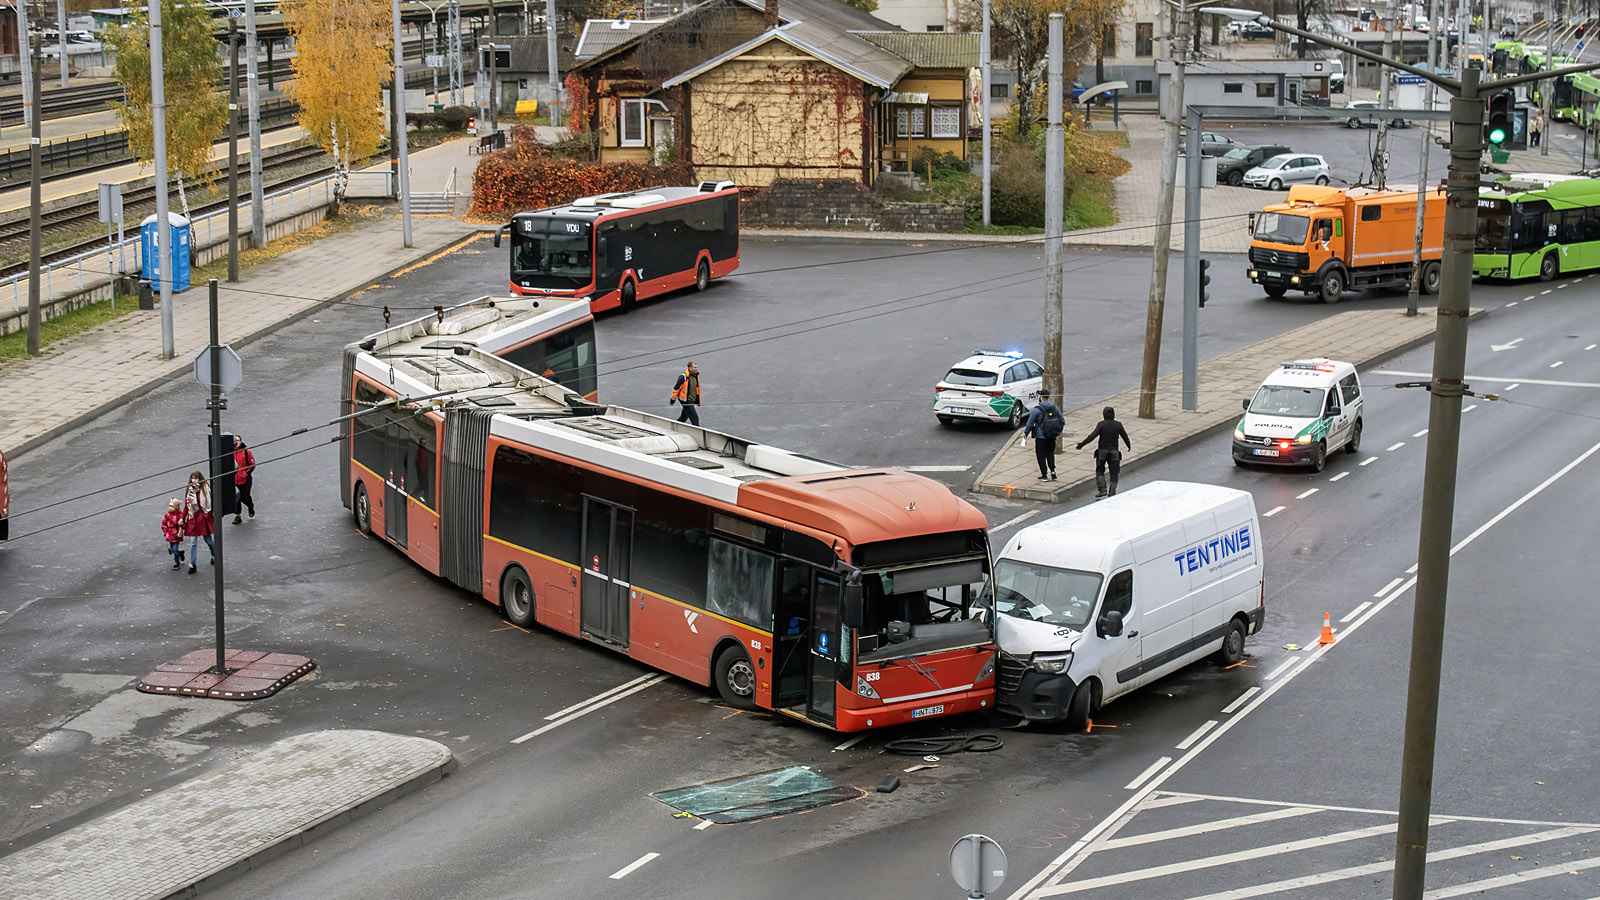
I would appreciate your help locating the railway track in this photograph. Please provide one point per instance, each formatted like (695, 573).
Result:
(136, 205)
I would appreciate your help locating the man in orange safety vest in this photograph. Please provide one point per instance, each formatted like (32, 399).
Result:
(686, 393)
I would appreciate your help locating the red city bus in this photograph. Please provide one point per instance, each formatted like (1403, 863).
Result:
(841, 597)
(616, 249)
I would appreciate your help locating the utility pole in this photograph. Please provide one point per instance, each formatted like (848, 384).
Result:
(23, 46)
(399, 98)
(216, 404)
(35, 223)
(1464, 16)
(233, 150)
(457, 82)
(1547, 91)
(61, 38)
(258, 209)
(1422, 166)
(494, 84)
(1055, 143)
(158, 107)
(1173, 97)
(987, 67)
(555, 68)
(1380, 156)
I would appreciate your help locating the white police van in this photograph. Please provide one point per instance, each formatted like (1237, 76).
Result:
(991, 386)
(1096, 602)
(1304, 411)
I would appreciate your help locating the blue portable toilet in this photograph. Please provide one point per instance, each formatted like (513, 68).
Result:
(150, 255)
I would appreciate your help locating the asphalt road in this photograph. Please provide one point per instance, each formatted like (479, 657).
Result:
(91, 606)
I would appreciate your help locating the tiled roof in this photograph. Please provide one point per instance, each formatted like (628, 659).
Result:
(600, 35)
(928, 50)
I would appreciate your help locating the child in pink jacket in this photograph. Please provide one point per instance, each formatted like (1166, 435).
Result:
(172, 531)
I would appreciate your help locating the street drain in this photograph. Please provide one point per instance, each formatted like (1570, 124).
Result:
(748, 797)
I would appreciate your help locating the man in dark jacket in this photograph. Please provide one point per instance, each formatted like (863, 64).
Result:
(1106, 454)
(1044, 426)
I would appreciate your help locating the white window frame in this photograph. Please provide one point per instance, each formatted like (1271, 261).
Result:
(624, 109)
(919, 121)
(902, 122)
(952, 115)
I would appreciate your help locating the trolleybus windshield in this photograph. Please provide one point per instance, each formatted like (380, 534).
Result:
(551, 253)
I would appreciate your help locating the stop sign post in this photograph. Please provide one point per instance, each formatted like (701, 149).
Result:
(230, 369)
(978, 865)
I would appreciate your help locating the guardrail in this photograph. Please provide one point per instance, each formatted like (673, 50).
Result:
(86, 271)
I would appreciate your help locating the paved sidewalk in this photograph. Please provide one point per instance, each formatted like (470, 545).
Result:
(192, 836)
(67, 385)
(1362, 337)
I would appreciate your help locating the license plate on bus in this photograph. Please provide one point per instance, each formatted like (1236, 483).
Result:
(1266, 452)
(963, 410)
(927, 711)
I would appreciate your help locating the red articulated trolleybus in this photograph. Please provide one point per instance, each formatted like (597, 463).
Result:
(616, 249)
(842, 597)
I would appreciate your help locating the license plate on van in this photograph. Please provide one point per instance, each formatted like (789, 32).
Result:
(927, 711)
(1265, 452)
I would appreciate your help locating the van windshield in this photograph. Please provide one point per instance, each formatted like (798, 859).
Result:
(1287, 400)
(1063, 597)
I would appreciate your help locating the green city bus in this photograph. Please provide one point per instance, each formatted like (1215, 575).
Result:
(1585, 96)
(1539, 233)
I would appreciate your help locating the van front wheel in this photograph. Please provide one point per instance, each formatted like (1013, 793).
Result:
(1232, 652)
(1078, 708)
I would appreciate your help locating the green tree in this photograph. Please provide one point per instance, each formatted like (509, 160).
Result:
(196, 114)
(344, 57)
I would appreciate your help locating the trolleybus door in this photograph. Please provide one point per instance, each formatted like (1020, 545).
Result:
(397, 444)
(830, 653)
(607, 570)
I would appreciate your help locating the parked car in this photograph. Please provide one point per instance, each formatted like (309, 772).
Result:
(1286, 169)
(1335, 76)
(1233, 164)
(1214, 144)
(1255, 31)
(1366, 112)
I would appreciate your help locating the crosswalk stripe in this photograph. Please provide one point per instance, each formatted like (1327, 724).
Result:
(1207, 827)
(1487, 884)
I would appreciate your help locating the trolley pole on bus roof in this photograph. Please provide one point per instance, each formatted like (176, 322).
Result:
(398, 96)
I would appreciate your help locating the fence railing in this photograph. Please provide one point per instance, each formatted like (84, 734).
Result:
(85, 271)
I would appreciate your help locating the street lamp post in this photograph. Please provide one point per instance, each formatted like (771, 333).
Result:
(398, 98)
(1445, 389)
(433, 13)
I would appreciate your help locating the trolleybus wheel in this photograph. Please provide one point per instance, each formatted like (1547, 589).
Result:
(1232, 645)
(736, 678)
(516, 597)
(629, 294)
(1548, 267)
(702, 276)
(363, 509)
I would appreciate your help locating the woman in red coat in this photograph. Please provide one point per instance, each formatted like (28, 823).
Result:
(244, 468)
(197, 521)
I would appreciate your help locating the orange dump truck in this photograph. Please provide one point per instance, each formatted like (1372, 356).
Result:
(1327, 240)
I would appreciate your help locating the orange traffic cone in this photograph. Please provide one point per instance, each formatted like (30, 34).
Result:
(1327, 629)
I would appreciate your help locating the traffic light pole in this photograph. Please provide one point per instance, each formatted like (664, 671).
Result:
(1191, 262)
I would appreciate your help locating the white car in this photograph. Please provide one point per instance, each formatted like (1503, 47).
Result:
(1367, 112)
(1286, 169)
(990, 386)
(1302, 412)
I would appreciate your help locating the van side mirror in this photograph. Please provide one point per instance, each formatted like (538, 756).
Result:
(1110, 624)
(1245, 403)
(853, 615)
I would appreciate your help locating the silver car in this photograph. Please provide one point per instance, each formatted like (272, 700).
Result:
(1288, 168)
(1367, 112)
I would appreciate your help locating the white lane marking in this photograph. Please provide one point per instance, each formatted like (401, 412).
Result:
(1224, 859)
(1509, 345)
(1156, 837)
(1240, 700)
(1516, 384)
(1488, 884)
(852, 742)
(1262, 890)
(1577, 384)
(653, 680)
(935, 468)
(1556, 365)
(1356, 612)
(1412, 570)
(1523, 499)
(629, 869)
(1017, 521)
(1338, 476)
(1306, 494)
(1197, 734)
(1058, 868)
(1287, 665)
(1515, 302)
(704, 825)
(1435, 819)
(1388, 587)
(1396, 446)
(1562, 286)
(1545, 291)
(600, 696)
(1171, 800)
(1154, 768)
(1273, 511)
(1469, 408)
(1420, 433)
(1529, 297)
(1369, 460)
(1590, 347)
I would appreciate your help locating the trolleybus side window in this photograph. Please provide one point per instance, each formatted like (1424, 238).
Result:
(566, 357)
(739, 583)
(534, 503)
(669, 547)
(368, 430)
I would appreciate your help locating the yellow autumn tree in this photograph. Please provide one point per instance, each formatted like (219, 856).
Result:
(196, 114)
(344, 62)
(1021, 34)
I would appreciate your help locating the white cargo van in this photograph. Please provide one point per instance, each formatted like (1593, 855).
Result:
(1098, 601)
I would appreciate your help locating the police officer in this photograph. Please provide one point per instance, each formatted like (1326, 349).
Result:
(1106, 454)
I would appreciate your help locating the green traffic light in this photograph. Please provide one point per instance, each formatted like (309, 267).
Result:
(1497, 135)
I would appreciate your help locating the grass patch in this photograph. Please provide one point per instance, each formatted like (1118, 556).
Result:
(1090, 205)
(15, 345)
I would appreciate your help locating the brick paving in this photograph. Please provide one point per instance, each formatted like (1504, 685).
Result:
(1362, 337)
(200, 831)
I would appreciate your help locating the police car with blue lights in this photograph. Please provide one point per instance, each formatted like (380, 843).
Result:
(1305, 410)
(989, 386)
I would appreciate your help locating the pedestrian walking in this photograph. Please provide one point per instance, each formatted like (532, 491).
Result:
(244, 467)
(686, 393)
(1106, 455)
(197, 521)
(172, 531)
(1044, 425)
(1535, 127)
